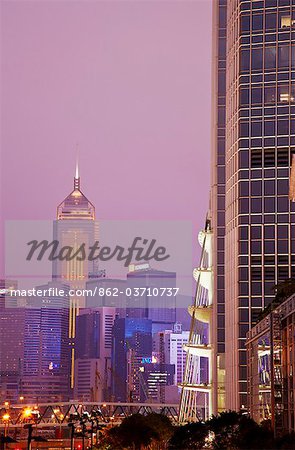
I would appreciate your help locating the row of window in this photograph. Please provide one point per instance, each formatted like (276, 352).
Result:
(266, 22)
(265, 205)
(255, 174)
(268, 232)
(256, 287)
(280, 127)
(269, 247)
(270, 157)
(268, 188)
(258, 95)
(259, 4)
(266, 218)
(268, 58)
(266, 260)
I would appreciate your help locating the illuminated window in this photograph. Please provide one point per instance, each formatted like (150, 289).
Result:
(285, 95)
(287, 22)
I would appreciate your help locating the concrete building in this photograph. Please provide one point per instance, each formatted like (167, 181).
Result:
(174, 342)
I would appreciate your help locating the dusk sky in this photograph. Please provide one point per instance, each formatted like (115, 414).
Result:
(130, 82)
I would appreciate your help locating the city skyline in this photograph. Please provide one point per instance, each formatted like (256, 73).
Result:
(167, 277)
(117, 114)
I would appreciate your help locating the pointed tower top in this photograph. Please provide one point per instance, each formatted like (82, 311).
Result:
(77, 169)
(77, 177)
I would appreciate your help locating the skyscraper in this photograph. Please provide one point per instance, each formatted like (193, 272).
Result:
(159, 308)
(258, 249)
(93, 354)
(217, 207)
(12, 321)
(189, 404)
(45, 369)
(132, 341)
(75, 226)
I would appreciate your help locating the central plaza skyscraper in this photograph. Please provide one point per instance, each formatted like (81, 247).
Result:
(75, 226)
(253, 143)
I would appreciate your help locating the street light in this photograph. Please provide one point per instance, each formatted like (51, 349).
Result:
(27, 413)
(5, 419)
(29, 427)
(30, 414)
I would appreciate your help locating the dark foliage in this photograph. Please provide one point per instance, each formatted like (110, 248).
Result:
(189, 436)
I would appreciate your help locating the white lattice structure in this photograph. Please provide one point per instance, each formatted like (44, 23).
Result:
(196, 402)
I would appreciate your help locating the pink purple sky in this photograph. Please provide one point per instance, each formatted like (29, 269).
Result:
(130, 81)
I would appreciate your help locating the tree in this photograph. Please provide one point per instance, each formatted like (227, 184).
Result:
(286, 442)
(133, 433)
(190, 436)
(162, 427)
(224, 428)
(236, 431)
(254, 436)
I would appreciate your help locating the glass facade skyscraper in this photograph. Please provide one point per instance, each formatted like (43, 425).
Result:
(218, 197)
(45, 371)
(75, 226)
(260, 140)
(133, 338)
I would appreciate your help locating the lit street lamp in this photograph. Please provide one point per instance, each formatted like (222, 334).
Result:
(5, 419)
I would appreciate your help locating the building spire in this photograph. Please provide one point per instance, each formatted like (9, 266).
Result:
(77, 176)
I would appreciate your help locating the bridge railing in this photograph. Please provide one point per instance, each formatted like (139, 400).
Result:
(59, 414)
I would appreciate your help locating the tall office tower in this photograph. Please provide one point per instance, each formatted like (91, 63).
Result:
(45, 372)
(132, 342)
(154, 379)
(260, 139)
(12, 320)
(75, 226)
(156, 303)
(93, 354)
(173, 346)
(108, 292)
(217, 207)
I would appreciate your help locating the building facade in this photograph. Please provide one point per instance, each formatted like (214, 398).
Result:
(12, 325)
(217, 207)
(258, 247)
(45, 368)
(271, 358)
(174, 342)
(159, 308)
(93, 354)
(132, 342)
(199, 386)
(75, 225)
